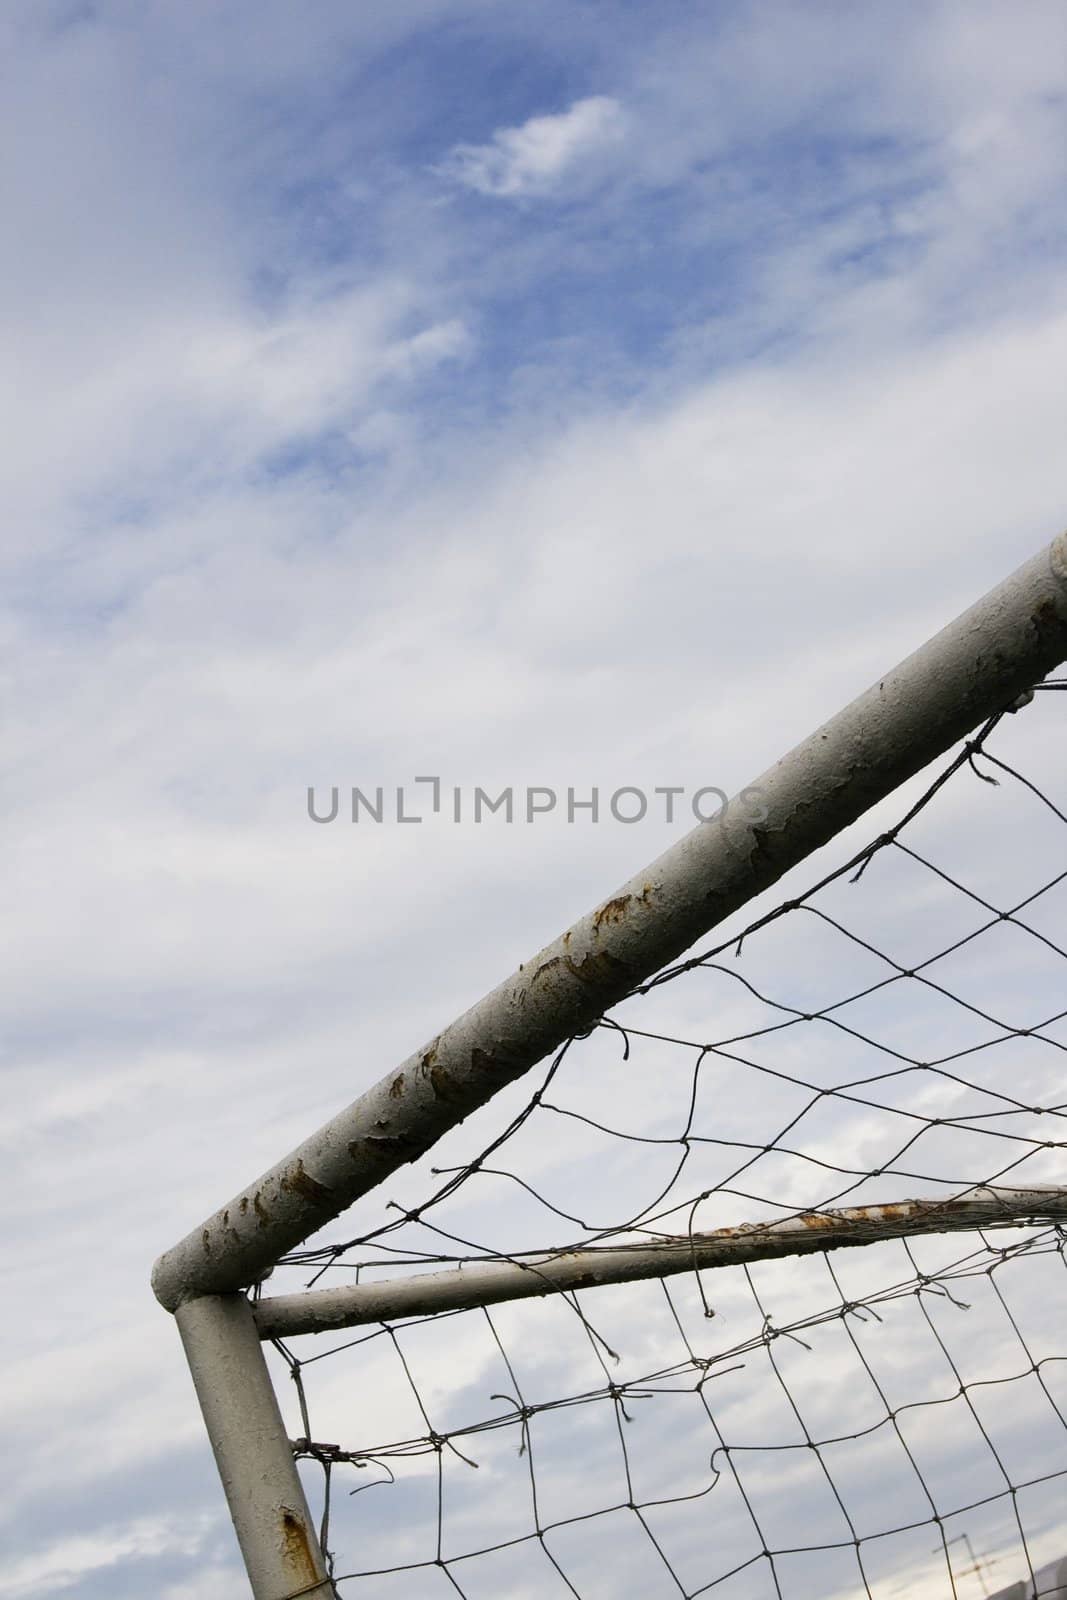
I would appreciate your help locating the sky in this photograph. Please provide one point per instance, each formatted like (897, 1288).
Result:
(556, 395)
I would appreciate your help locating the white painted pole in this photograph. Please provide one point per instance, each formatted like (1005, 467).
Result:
(489, 1282)
(252, 1450)
(976, 666)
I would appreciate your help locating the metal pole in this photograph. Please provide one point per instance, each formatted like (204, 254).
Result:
(252, 1450)
(489, 1282)
(977, 665)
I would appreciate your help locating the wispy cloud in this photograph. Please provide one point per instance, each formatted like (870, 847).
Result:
(540, 155)
(66, 1563)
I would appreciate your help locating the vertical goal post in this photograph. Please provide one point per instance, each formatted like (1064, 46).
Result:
(978, 666)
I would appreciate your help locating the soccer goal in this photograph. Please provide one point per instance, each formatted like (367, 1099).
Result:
(720, 1250)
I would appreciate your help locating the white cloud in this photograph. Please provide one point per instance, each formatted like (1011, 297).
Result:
(196, 397)
(65, 1563)
(209, 1583)
(540, 155)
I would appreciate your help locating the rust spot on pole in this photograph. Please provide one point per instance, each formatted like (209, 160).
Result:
(396, 1088)
(300, 1181)
(444, 1086)
(1045, 616)
(482, 1061)
(296, 1548)
(612, 910)
(397, 1148)
(598, 967)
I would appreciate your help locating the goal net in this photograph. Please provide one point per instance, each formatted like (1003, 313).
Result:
(756, 1290)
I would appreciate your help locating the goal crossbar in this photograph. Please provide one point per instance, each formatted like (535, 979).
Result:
(524, 1277)
(971, 669)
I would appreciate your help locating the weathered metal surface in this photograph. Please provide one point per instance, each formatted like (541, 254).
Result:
(487, 1283)
(252, 1451)
(977, 665)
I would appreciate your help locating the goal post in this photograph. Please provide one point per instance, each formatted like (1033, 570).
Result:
(267, 1503)
(979, 666)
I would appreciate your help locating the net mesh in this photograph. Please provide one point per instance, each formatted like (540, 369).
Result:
(864, 1422)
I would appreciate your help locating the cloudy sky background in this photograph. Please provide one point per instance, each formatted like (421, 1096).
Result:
(533, 394)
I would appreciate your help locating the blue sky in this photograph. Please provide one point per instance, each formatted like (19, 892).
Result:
(587, 393)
